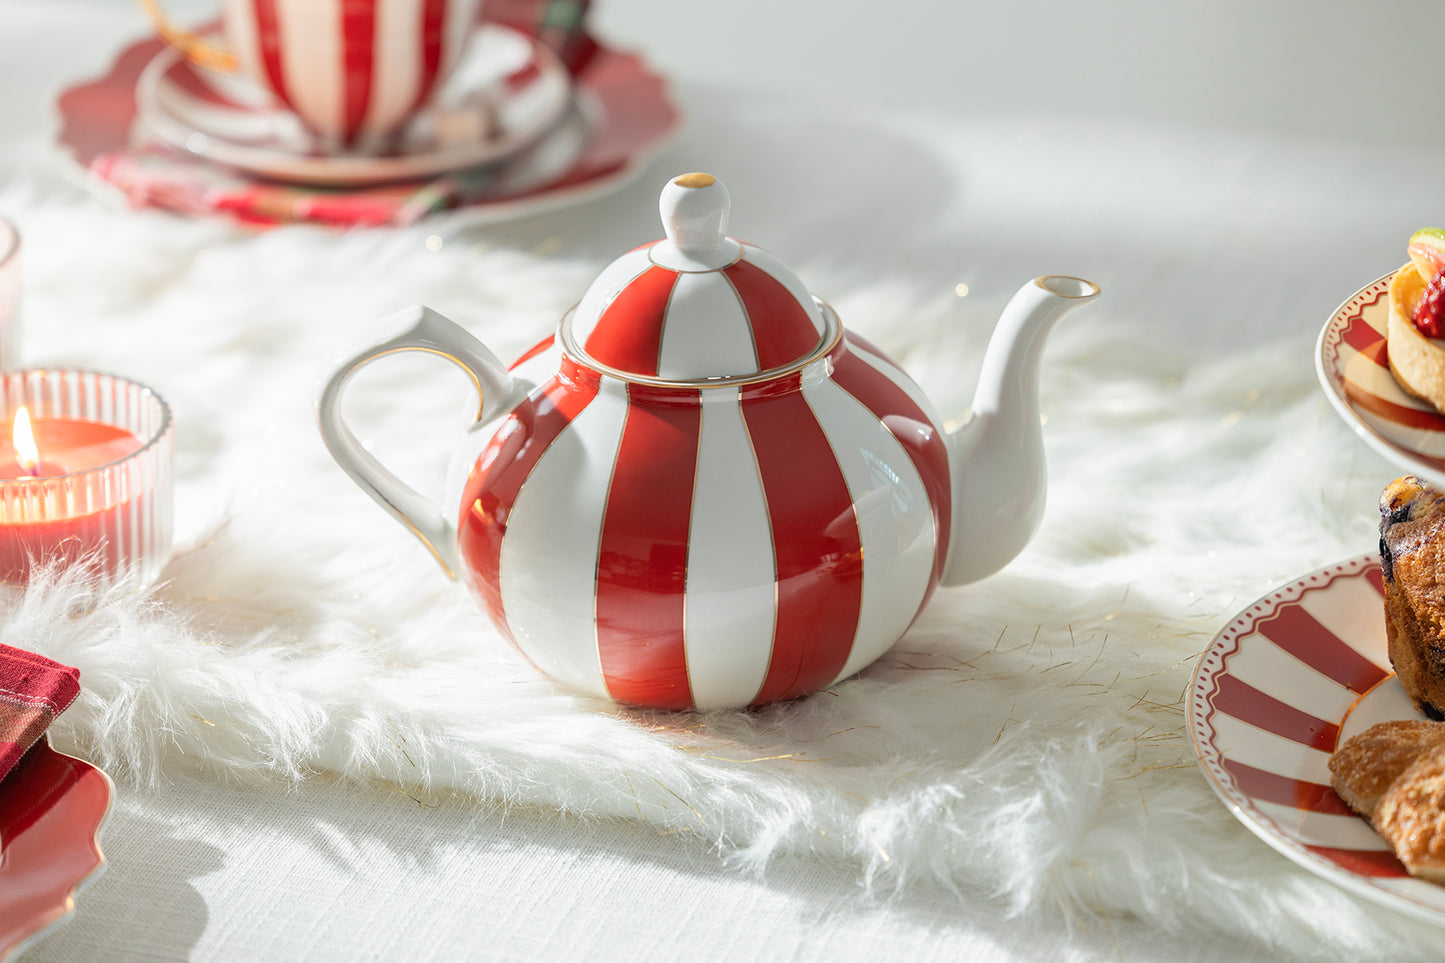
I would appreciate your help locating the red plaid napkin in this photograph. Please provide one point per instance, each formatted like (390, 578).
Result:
(33, 691)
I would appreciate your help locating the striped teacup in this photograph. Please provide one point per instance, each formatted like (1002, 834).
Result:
(354, 71)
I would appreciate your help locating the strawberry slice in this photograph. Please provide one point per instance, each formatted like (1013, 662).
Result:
(1430, 311)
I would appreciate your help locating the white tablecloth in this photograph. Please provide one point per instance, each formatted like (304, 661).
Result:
(1203, 235)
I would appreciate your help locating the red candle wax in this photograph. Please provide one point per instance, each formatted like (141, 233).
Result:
(68, 445)
(51, 512)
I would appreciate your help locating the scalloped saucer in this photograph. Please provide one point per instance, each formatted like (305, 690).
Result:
(507, 92)
(53, 809)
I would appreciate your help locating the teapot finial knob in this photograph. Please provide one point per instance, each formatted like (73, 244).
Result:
(694, 210)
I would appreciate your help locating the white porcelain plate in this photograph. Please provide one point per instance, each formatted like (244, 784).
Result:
(506, 93)
(1285, 682)
(1353, 363)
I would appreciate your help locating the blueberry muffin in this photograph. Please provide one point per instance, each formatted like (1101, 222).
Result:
(1412, 553)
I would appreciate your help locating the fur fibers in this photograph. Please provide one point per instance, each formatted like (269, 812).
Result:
(1025, 742)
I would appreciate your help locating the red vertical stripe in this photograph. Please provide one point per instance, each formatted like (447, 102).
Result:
(642, 557)
(268, 30)
(1248, 704)
(628, 334)
(498, 476)
(433, 17)
(522, 78)
(817, 547)
(910, 425)
(1302, 636)
(1376, 578)
(1271, 787)
(782, 330)
(1379, 353)
(358, 51)
(532, 352)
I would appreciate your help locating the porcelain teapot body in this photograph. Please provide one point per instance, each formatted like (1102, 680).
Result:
(702, 492)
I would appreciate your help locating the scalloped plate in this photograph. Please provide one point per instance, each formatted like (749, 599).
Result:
(1283, 683)
(1353, 363)
(53, 808)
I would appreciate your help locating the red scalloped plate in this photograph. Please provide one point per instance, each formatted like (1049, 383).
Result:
(53, 808)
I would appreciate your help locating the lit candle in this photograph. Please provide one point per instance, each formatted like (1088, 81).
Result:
(70, 446)
(84, 476)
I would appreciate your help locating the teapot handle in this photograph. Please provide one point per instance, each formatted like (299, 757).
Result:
(434, 334)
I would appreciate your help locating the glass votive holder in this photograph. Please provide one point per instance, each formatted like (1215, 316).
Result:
(9, 295)
(96, 487)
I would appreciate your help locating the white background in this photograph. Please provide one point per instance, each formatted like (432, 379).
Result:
(1326, 70)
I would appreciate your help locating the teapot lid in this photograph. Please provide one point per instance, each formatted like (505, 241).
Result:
(697, 305)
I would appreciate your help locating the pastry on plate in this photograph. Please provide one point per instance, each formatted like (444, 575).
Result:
(1412, 558)
(1416, 326)
(1411, 816)
(1363, 769)
(1393, 774)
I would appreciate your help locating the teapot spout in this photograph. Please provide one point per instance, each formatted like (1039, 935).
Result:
(996, 456)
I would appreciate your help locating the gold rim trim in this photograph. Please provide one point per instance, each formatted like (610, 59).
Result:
(481, 399)
(831, 338)
(1050, 283)
(696, 179)
(188, 42)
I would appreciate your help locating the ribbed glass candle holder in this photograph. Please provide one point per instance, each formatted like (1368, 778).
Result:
(113, 518)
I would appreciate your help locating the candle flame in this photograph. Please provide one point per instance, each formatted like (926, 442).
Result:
(24, 440)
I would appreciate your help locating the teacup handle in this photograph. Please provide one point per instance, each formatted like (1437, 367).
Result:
(188, 42)
(434, 334)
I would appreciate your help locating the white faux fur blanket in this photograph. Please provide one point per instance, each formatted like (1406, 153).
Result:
(1025, 742)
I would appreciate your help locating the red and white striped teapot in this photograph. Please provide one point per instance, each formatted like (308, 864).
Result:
(702, 492)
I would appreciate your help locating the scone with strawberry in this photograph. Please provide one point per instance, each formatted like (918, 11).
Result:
(1416, 329)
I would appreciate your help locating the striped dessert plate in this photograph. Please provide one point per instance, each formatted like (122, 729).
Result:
(1353, 363)
(1283, 683)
